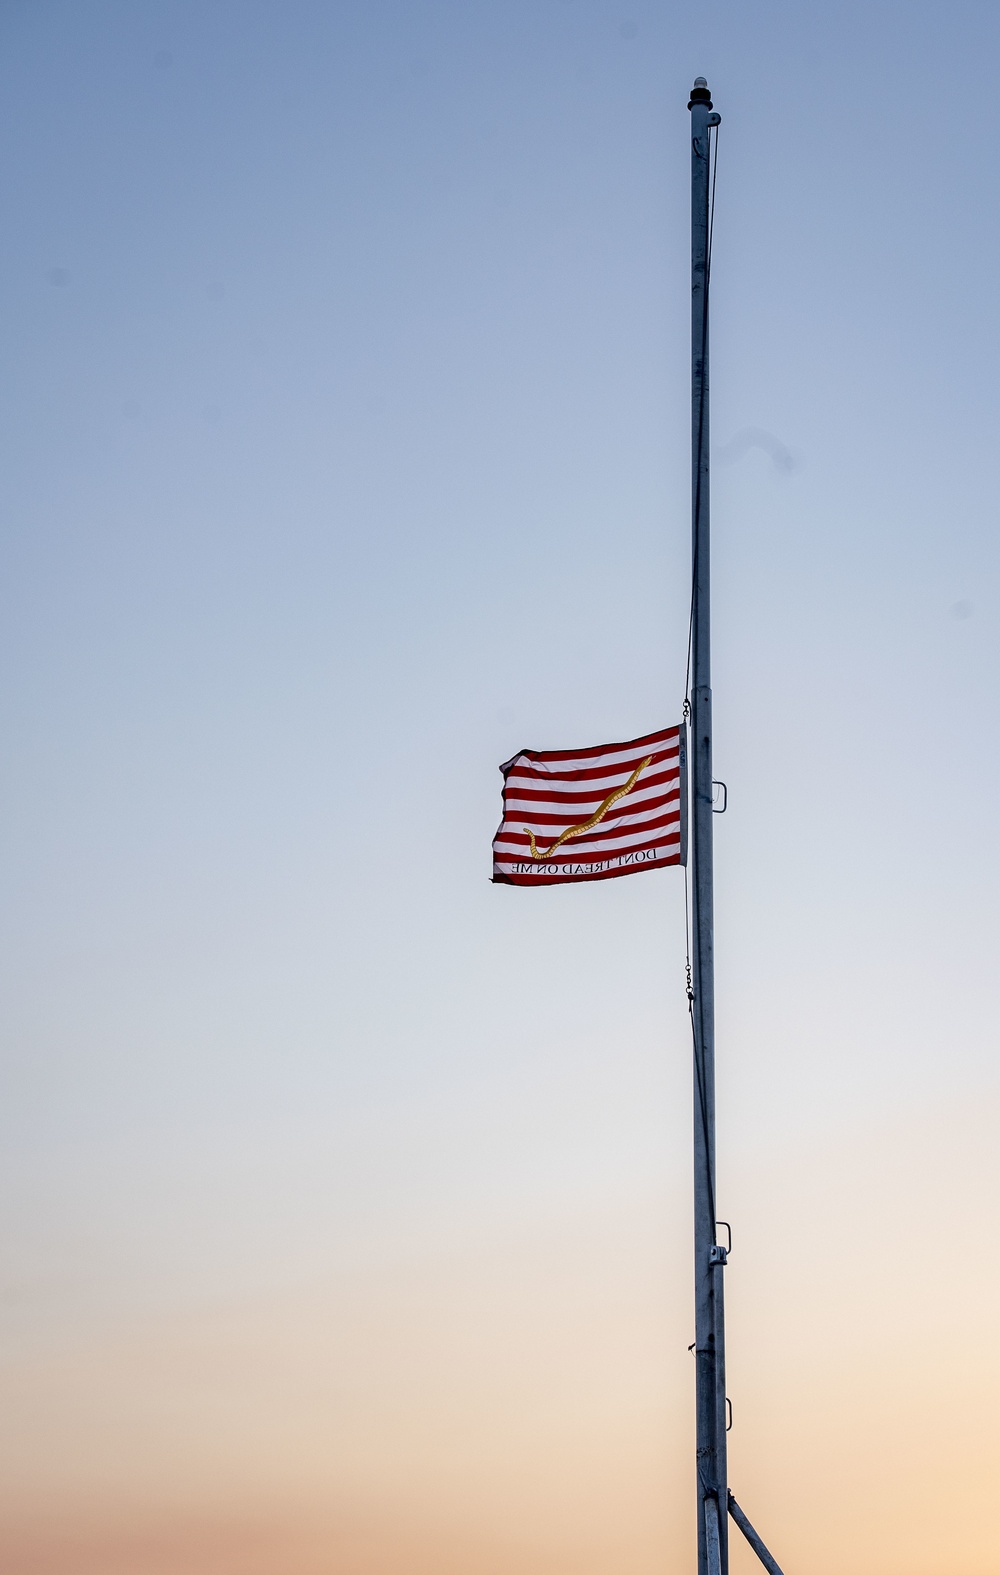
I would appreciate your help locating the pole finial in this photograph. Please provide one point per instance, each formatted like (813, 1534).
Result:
(700, 94)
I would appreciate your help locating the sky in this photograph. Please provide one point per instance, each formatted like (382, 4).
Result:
(345, 451)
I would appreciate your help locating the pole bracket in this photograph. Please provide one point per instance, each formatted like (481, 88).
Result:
(718, 1256)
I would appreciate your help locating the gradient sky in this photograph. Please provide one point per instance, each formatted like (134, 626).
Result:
(346, 1199)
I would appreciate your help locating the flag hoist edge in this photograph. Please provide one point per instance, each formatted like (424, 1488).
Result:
(592, 814)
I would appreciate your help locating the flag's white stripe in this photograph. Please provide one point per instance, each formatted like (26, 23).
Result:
(659, 774)
(656, 743)
(619, 760)
(543, 875)
(569, 782)
(633, 838)
(580, 806)
(607, 851)
(585, 807)
(668, 846)
(639, 816)
(664, 853)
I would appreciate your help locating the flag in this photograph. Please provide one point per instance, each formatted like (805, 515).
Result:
(589, 814)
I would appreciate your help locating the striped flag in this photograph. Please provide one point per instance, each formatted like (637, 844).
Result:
(589, 814)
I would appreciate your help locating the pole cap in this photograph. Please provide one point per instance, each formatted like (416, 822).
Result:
(700, 94)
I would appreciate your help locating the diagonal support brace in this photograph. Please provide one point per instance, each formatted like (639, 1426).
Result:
(768, 1561)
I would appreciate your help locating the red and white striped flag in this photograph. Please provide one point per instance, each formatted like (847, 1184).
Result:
(589, 814)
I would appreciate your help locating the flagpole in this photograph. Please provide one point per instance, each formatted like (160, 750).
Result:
(710, 1258)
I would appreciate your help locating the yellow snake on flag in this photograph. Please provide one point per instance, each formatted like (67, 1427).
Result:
(596, 817)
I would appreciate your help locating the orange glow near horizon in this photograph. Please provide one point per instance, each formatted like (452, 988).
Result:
(525, 1403)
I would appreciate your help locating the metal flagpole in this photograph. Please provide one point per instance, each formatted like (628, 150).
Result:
(710, 1259)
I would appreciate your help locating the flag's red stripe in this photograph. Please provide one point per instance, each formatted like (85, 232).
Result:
(593, 785)
(622, 762)
(666, 758)
(636, 745)
(512, 831)
(566, 789)
(593, 795)
(624, 819)
(666, 841)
